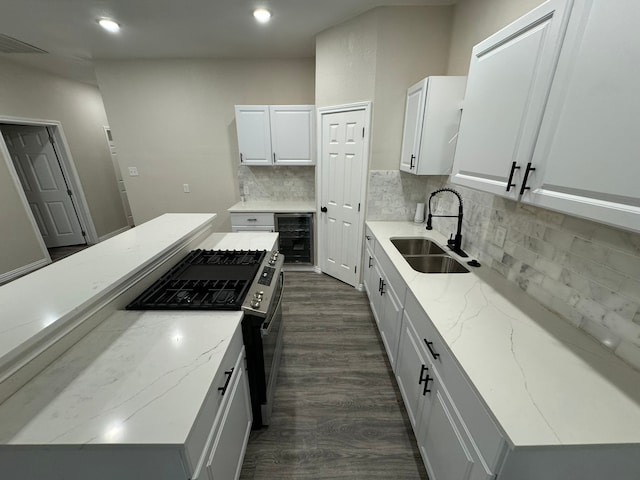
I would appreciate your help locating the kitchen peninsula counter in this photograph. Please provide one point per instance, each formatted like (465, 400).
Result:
(139, 386)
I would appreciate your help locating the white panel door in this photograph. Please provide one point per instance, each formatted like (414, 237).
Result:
(124, 197)
(509, 79)
(292, 134)
(254, 134)
(343, 165)
(586, 158)
(412, 131)
(44, 185)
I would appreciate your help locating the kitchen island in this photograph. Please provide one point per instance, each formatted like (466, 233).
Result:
(143, 394)
(523, 394)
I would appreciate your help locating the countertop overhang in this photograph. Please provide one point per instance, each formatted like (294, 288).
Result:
(275, 206)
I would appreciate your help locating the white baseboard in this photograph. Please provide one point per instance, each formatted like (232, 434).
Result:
(360, 287)
(317, 269)
(19, 272)
(113, 234)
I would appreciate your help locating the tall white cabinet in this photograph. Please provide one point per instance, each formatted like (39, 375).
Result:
(551, 112)
(509, 78)
(276, 134)
(431, 120)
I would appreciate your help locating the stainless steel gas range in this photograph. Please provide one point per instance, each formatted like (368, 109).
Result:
(247, 280)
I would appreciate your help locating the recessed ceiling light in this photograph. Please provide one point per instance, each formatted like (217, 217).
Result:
(262, 15)
(109, 25)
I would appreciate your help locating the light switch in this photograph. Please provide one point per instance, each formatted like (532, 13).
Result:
(133, 172)
(185, 188)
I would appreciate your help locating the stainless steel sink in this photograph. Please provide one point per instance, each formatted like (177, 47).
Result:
(416, 246)
(435, 264)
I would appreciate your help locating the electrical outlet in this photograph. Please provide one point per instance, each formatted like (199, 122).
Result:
(133, 172)
(185, 188)
(499, 237)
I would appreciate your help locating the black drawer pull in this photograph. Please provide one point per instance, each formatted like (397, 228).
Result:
(514, 167)
(433, 354)
(379, 284)
(370, 261)
(413, 157)
(228, 373)
(382, 284)
(424, 380)
(526, 177)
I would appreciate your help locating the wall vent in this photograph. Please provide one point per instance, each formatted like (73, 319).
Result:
(12, 45)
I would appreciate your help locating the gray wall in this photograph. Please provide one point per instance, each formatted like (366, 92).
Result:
(30, 93)
(375, 57)
(175, 121)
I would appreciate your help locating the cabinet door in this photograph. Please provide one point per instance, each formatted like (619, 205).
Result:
(509, 78)
(586, 158)
(232, 436)
(411, 373)
(375, 299)
(292, 134)
(254, 134)
(413, 116)
(390, 321)
(369, 272)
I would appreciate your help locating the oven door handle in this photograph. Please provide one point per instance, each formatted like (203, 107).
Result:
(266, 327)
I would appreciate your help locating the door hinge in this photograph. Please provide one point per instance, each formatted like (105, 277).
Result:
(70, 193)
(358, 207)
(84, 234)
(355, 269)
(52, 140)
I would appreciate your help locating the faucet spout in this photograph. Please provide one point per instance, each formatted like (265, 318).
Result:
(455, 243)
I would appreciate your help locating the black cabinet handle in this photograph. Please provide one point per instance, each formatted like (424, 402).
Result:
(413, 157)
(433, 354)
(526, 177)
(241, 160)
(370, 260)
(323, 209)
(514, 167)
(382, 284)
(424, 380)
(223, 389)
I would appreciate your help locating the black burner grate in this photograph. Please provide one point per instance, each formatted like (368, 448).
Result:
(203, 280)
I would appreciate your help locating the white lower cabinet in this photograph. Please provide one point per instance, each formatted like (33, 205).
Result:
(232, 435)
(448, 451)
(386, 295)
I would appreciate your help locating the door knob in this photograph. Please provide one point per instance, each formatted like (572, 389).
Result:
(323, 209)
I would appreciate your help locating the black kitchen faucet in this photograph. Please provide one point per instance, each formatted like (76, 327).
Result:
(455, 244)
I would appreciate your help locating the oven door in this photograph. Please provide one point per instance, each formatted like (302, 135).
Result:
(272, 331)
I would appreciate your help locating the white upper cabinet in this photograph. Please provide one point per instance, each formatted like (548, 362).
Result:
(254, 134)
(431, 120)
(509, 79)
(587, 156)
(276, 134)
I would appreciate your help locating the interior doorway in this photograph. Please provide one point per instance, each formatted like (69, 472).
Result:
(343, 167)
(41, 166)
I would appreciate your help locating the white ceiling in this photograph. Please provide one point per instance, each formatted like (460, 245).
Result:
(68, 30)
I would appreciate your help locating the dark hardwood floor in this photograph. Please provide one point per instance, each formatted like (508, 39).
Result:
(337, 412)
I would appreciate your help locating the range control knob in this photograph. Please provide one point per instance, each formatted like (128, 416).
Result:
(255, 303)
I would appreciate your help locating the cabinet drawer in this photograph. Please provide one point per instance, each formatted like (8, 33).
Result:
(482, 429)
(252, 219)
(369, 239)
(199, 440)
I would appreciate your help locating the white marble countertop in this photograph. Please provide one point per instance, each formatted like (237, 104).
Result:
(138, 378)
(279, 206)
(37, 305)
(545, 381)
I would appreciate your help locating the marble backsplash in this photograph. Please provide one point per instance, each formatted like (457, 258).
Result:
(586, 272)
(277, 183)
